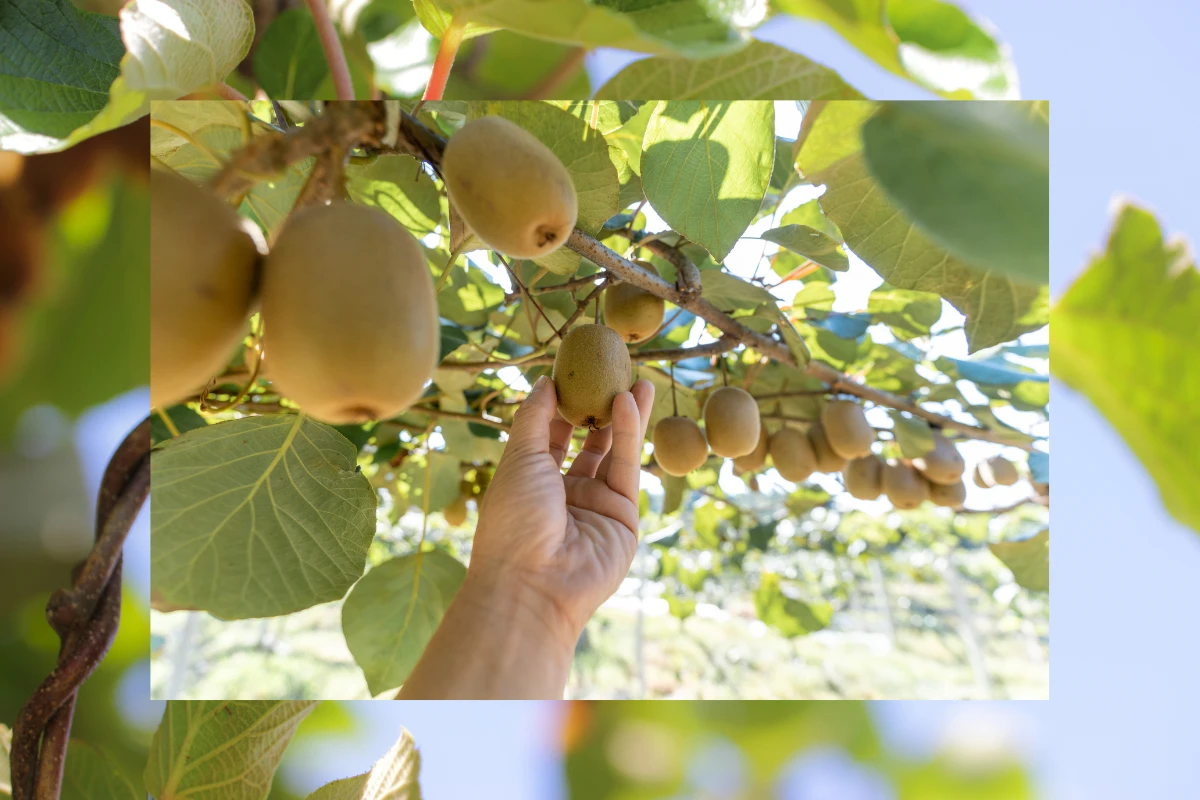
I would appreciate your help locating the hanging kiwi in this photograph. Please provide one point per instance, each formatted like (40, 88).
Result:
(591, 368)
(351, 320)
(756, 458)
(679, 446)
(846, 428)
(904, 486)
(509, 188)
(455, 514)
(942, 464)
(202, 274)
(996, 471)
(633, 312)
(828, 461)
(864, 477)
(792, 454)
(948, 495)
(731, 422)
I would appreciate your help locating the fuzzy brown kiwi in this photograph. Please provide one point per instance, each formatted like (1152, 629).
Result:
(756, 458)
(864, 477)
(633, 312)
(846, 428)
(904, 486)
(827, 460)
(942, 464)
(679, 445)
(792, 454)
(731, 422)
(456, 513)
(1003, 471)
(591, 368)
(948, 495)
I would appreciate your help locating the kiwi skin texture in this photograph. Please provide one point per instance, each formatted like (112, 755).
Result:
(679, 446)
(756, 459)
(202, 274)
(864, 477)
(943, 464)
(731, 422)
(827, 460)
(632, 311)
(904, 486)
(792, 454)
(350, 317)
(846, 429)
(948, 495)
(1003, 471)
(591, 368)
(510, 189)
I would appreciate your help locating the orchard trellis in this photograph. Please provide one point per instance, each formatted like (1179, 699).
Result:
(387, 155)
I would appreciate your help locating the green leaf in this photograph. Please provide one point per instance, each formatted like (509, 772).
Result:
(399, 186)
(391, 614)
(992, 371)
(92, 321)
(680, 606)
(443, 480)
(220, 750)
(5, 749)
(706, 168)
(257, 517)
(1125, 335)
(673, 491)
(909, 314)
(974, 176)
(68, 60)
(998, 309)
(289, 63)
(728, 292)
(812, 244)
(393, 777)
(694, 28)
(913, 434)
(182, 417)
(89, 774)
(932, 43)
(1039, 467)
(786, 613)
(582, 150)
(1029, 560)
(759, 71)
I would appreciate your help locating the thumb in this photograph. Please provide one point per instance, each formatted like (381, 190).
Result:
(531, 424)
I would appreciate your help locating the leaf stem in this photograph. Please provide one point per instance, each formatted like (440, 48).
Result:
(452, 39)
(339, 70)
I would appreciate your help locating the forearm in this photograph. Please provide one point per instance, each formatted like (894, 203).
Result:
(497, 641)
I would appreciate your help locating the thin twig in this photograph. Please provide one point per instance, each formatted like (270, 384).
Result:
(339, 70)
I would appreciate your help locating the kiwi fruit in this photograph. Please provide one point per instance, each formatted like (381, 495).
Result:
(756, 458)
(997, 471)
(351, 322)
(456, 513)
(904, 486)
(679, 445)
(864, 477)
(633, 312)
(731, 422)
(509, 188)
(828, 461)
(948, 495)
(942, 464)
(846, 428)
(792, 454)
(202, 274)
(591, 368)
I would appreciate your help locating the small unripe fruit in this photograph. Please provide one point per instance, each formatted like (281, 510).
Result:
(679, 445)
(827, 460)
(792, 454)
(509, 188)
(633, 312)
(846, 428)
(731, 422)
(591, 368)
(904, 486)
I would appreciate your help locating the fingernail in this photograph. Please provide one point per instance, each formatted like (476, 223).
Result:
(539, 383)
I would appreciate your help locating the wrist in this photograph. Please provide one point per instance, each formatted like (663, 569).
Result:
(530, 615)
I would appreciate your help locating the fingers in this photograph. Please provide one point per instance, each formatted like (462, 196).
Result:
(631, 415)
(531, 425)
(595, 447)
(560, 438)
(592, 496)
(643, 393)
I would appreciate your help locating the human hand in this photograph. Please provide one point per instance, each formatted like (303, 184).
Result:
(565, 541)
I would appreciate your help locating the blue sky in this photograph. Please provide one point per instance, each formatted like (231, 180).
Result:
(1124, 120)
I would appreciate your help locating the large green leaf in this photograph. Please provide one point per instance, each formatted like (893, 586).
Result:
(759, 71)
(729, 292)
(257, 517)
(695, 28)
(393, 777)
(289, 63)
(706, 168)
(89, 774)
(1029, 560)
(930, 42)
(788, 614)
(1125, 334)
(391, 614)
(814, 245)
(582, 150)
(443, 479)
(220, 750)
(399, 186)
(998, 309)
(974, 176)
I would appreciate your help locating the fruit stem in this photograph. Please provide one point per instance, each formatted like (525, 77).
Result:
(674, 405)
(339, 70)
(451, 40)
(454, 254)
